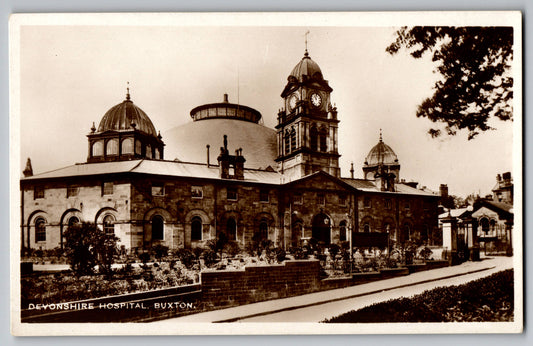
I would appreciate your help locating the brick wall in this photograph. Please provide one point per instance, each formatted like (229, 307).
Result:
(258, 283)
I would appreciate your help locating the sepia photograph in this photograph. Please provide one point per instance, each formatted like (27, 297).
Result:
(317, 173)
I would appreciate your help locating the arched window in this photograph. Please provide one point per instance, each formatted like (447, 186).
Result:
(407, 231)
(138, 147)
(148, 151)
(342, 230)
(485, 225)
(157, 227)
(366, 227)
(196, 228)
(425, 233)
(263, 229)
(111, 147)
(40, 229)
(73, 220)
(323, 140)
(98, 148)
(127, 146)
(287, 142)
(108, 224)
(293, 139)
(231, 229)
(313, 133)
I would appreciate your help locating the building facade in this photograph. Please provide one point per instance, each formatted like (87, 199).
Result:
(293, 193)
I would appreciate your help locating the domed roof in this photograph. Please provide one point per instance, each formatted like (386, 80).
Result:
(307, 67)
(125, 116)
(188, 142)
(381, 153)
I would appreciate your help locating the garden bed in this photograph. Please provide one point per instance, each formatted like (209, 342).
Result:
(489, 299)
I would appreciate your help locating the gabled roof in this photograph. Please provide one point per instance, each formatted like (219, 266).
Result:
(336, 180)
(154, 167)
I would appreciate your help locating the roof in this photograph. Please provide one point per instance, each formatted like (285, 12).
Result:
(225, 110)
(154, 167)
(370, 186)
(497, 206)
(306, 67)
(122, 116)
(188, 142)
(381, 153)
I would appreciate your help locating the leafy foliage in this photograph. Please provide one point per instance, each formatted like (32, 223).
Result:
(87, 246)
(474, 63)
(483, 300)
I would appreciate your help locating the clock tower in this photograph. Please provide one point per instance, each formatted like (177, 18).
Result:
(307, 124)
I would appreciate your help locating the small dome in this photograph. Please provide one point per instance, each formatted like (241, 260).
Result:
(123, 115)
(381, 153)
(307, 67)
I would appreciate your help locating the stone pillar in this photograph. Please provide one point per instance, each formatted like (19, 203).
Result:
(471, 241)
(449, 239)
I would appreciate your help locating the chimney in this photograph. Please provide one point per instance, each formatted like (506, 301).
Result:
(443, 190)
(226, 98)
(231, 166)
(28, 171)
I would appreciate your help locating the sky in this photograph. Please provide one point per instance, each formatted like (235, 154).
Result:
(70, 75)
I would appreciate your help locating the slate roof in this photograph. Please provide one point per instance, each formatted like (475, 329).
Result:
(370, 186)
(155, 167)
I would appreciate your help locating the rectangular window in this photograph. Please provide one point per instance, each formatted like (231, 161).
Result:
(426, 205)
(158, 189)
(342, 199)
(367, 203)
(107, 188)
(298, 198)
(231, 194)
(38, 192)
(407, 205)
(72, 191)
(321, 199)
(388, 204)
(263, 196)
(197, 192)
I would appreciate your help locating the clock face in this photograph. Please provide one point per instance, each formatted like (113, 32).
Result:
(292, 101)
(316, 100)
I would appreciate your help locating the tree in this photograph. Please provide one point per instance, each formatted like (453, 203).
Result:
(87, 246)
(476, 83)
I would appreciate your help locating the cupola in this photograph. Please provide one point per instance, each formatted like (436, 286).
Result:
(124, 133)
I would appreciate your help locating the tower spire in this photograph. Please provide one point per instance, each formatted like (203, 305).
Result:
(128, 91)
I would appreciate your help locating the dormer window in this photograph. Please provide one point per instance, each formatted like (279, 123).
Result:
(38, 192)
(231, 194)
(72, 191)
(158, 189)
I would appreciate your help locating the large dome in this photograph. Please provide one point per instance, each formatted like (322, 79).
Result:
(125, 116)
(188, 142)
(381, 153)
(306, 67)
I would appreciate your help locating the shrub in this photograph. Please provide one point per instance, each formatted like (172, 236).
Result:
(159, 251)
(232, 248)
(144, 257)
(279, 254)
(210, 258)
(426, 253)
(298, 253)
(87, 246)
(186, 257)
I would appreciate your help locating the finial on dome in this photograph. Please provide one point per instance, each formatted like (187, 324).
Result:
(306, 52)
(93, 128)
(159, 135)
(380, 136)
(128, 91)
